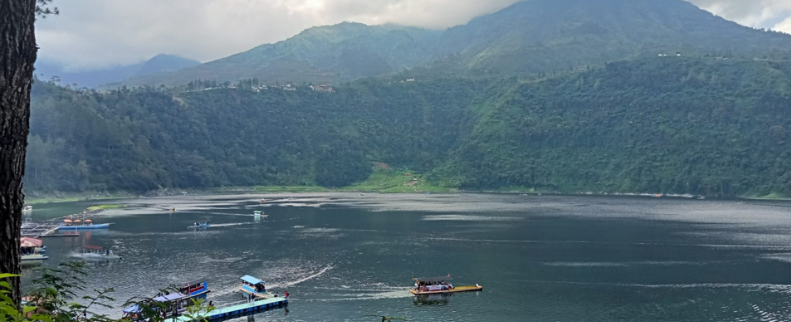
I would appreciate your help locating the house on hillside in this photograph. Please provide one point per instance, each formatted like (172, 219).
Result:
(323, 88)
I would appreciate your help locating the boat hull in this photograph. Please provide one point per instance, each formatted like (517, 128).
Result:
(89, 227)
(457, 289)
(257, 294)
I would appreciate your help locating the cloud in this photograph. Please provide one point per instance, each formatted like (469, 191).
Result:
(784, 26)
(101, 33)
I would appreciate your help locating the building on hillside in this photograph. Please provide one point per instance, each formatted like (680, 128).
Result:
(323, 88)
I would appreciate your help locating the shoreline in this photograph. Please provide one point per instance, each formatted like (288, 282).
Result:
(98, 197)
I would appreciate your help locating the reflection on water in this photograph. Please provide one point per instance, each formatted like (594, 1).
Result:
(432, 299)
(343, 256)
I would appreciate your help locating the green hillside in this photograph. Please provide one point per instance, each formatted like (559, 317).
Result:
(530, 37)
(671, 124)
(545, 35)
(320, 54)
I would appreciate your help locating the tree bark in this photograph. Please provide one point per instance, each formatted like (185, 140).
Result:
(17, 55)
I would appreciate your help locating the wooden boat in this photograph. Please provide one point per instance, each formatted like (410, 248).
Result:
(254, 286)
(440, 285)
(32, 251)
(177, 301)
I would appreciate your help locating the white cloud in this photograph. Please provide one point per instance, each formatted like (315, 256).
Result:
(784, 26)
(100, 33)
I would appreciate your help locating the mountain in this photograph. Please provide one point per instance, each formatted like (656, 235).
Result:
(659, 124)
(545, 35)
(536, 36)
(321, 54)
(96, 78)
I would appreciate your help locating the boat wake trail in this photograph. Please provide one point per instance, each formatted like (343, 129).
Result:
(304, 279)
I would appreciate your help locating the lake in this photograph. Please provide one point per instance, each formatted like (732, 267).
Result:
(540, 258)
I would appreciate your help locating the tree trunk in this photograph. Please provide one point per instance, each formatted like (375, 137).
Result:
(17, 55)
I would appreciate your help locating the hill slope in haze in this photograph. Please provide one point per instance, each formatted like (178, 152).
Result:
(533, 36)
(672, 124)
(95, 78)
(320, 54)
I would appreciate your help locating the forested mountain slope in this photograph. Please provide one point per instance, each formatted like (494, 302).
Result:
(671, 124)
(530, 37)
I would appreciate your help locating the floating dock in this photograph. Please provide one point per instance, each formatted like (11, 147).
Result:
(246, 308)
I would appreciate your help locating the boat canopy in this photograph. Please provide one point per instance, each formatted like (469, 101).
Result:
(92, 247)
(433, 279)
(252, 280)
(30, 242)
(170, 297)
(132, 309)
(196, 282)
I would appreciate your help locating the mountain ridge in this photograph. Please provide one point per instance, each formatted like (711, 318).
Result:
(529, 37)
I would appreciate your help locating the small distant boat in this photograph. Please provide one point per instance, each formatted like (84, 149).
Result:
(440, 285)
(254, 286)
(32, 251)
(177, 302)
(201, 225)
(258, 213)
(97, 253)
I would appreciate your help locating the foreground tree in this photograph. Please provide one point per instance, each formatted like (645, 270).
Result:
(17, 55)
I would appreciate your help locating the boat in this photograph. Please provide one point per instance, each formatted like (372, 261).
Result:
(177, 301)
(32, 251)
(254, 286)
(236, 310)
(28, 208)
(201, 225)
(77, 224)
(258, 213)
(97, 253)
(440, 285)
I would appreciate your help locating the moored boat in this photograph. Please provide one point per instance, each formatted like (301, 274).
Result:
(77, 224)
(440, 285)
(254, 286)
(178, 301)
(32, 251)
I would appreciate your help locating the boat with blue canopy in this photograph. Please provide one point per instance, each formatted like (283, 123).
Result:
(254, 286)
(177, 302)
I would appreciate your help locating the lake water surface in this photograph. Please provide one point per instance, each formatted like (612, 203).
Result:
(539, 258)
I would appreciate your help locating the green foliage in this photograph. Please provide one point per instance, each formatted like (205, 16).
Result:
(53, 294)
(661, 125)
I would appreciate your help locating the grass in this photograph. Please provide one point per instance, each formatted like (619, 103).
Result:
(105, 207)
(393, 181)
(771, 196)
(383, 180)
(72, 197)
(276, 189)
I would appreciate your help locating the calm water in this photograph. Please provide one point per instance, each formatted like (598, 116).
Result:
(344, 256)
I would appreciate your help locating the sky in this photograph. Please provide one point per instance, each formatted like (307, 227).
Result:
(95, 34)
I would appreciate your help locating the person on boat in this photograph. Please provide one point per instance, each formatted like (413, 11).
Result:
(286, 294)
(211, 304)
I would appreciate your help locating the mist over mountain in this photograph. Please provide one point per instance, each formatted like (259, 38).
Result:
(529, 37)
(96, 77)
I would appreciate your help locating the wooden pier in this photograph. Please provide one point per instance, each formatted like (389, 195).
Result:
(243, 309)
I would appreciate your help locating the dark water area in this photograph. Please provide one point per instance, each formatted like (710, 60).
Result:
(346, 256)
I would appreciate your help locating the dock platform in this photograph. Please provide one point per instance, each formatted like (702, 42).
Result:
(243, 309)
